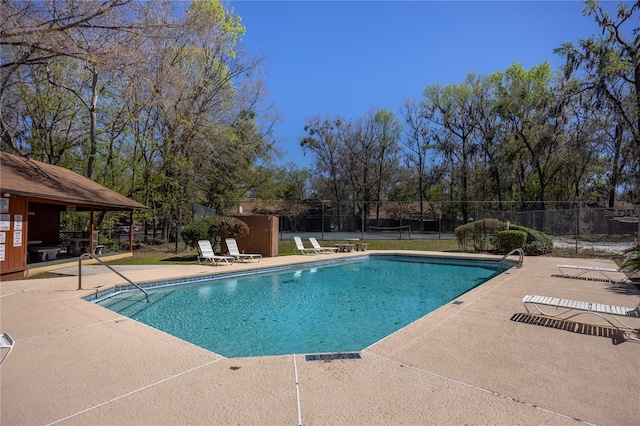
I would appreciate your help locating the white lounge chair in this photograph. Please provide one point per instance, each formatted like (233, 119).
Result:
(232, 245)
(206, 253)
(301, 249)
(6, 343)
(578, 271)
(319, 248)
(566, 309)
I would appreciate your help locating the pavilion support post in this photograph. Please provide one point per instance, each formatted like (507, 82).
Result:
(131, 231)
(91, 242)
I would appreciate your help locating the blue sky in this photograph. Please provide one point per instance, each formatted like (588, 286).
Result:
(346, 58)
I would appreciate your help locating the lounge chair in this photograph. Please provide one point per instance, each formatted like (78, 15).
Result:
(6, 342)
(579, 271)
(206, 253)
(232, 245)
(301, 249)
(566, 309)
(319, 248)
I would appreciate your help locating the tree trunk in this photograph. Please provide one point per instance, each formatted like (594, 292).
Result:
(92, 130)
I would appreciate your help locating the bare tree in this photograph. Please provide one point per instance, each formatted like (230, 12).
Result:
(609, 66)
(325, 142)
(418, 141)
(451, 108)
(35, 33)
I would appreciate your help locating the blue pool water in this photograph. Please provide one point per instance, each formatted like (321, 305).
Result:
(336, 308)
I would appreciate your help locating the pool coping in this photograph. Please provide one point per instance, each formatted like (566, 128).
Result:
(75, 362)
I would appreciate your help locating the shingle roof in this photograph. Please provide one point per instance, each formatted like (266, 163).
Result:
(30, 178)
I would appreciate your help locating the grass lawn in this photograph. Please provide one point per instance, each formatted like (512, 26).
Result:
(165, 254)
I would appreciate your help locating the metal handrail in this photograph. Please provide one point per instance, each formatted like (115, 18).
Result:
(519, 251)
(85, 255)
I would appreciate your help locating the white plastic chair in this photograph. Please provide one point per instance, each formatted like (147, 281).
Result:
(6, 342)
(566, 309)
(206, 252)
(232, 245)
(319, 248)
(301, 249)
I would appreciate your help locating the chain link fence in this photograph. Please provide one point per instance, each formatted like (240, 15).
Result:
(574, 224)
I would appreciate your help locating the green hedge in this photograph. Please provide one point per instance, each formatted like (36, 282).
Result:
(537, 242)
(484, 235)
(509, 240)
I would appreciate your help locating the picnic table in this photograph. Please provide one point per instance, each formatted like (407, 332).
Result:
(43, 253)
(345, 247)
(77, 242)
(361, 246)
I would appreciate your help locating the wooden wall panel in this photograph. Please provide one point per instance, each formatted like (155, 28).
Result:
(13, 236)
(263, 237)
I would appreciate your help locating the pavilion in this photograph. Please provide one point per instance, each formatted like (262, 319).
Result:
(32, 196)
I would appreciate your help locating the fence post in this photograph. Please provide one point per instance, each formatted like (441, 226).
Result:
(322, 203)
(638, 211)
(440, 222)
(577, 225)
(177, 242)
(400, 219)
(362, 216)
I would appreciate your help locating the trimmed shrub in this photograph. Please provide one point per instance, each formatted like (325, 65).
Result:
(537, 242)
(463, 235)
(509, 240)
(194, 232)
(481, 232)
(213, 229)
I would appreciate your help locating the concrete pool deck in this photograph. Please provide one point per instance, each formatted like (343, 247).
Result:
(77, 363)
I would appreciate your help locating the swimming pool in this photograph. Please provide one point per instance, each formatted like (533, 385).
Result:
(335, 307)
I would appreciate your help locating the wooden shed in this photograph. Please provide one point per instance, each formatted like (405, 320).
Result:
(32, 195)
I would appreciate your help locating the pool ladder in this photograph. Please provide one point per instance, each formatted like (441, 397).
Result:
(514, 251)
(86, 255)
